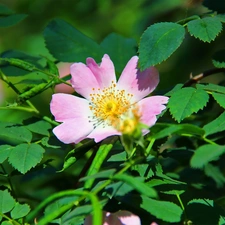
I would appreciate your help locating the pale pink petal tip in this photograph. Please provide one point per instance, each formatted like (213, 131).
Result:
(119, 218)
(104, 73)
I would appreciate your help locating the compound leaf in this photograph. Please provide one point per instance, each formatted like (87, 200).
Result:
(158, 42)
(205, 29)
(186, 101)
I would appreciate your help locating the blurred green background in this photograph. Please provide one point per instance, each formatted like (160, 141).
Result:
(97, 19)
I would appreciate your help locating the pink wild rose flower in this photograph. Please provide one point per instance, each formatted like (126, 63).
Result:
(122, 217)
(107, 103)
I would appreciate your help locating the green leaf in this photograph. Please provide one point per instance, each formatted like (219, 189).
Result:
(4, 152)
(67, 44)
(14, 133)
(175, 88)
(7, 202)
(11, 20)
(205, 29)
(166, 211)
(186, 101)
(76, 153)
(136, 184)
(167, 186)
(4, 10)
(40, 127)
(20, 210)
(158, 42)
(220, 98)
(211, 88)
(215, 5)
(160, 130)
(218, 59)
(120, 49)
(205, 154)
(25, 156)
(56, 205)
(103, 174)
(100, 157)
(216, 125)
(221, 17)
(6, 223)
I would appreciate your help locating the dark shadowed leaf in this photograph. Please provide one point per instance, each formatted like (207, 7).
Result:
(205, 154)
(68, 44)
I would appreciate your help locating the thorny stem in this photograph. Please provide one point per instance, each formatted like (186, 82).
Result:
(4, 78)
(32, 108)
(197, 78)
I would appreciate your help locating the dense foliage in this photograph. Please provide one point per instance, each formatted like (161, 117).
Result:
(175, 174)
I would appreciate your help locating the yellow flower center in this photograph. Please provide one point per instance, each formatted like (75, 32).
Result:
(110, 105)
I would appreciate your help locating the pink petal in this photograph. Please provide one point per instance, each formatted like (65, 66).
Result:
(83, 80)
(151, 107)
(101, 132)
(127, 218)
(105, 73)
(65, 106)
(140, 84)
(73, 130)
(64, 70)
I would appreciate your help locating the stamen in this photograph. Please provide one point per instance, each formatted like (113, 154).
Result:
(109, 105)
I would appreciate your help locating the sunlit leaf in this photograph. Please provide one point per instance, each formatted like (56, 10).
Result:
(212, 88)
(6, 201)
(205, 154)
(40, 127)
(4, 152)
(25, 156)
(14, 133)
(205, 29)
(220, 98)
(158, 42)
(20, 210)
(186, 101)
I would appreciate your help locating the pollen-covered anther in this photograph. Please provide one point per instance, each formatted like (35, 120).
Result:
(110, 104)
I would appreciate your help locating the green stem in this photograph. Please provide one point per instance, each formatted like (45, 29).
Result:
(99, 158)
(182, 205)
(83, 194)
(53, 122)
(186, 20)
(209, 141)
(149, 148)
(4, 78)
(9, 219)
(21, 108)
